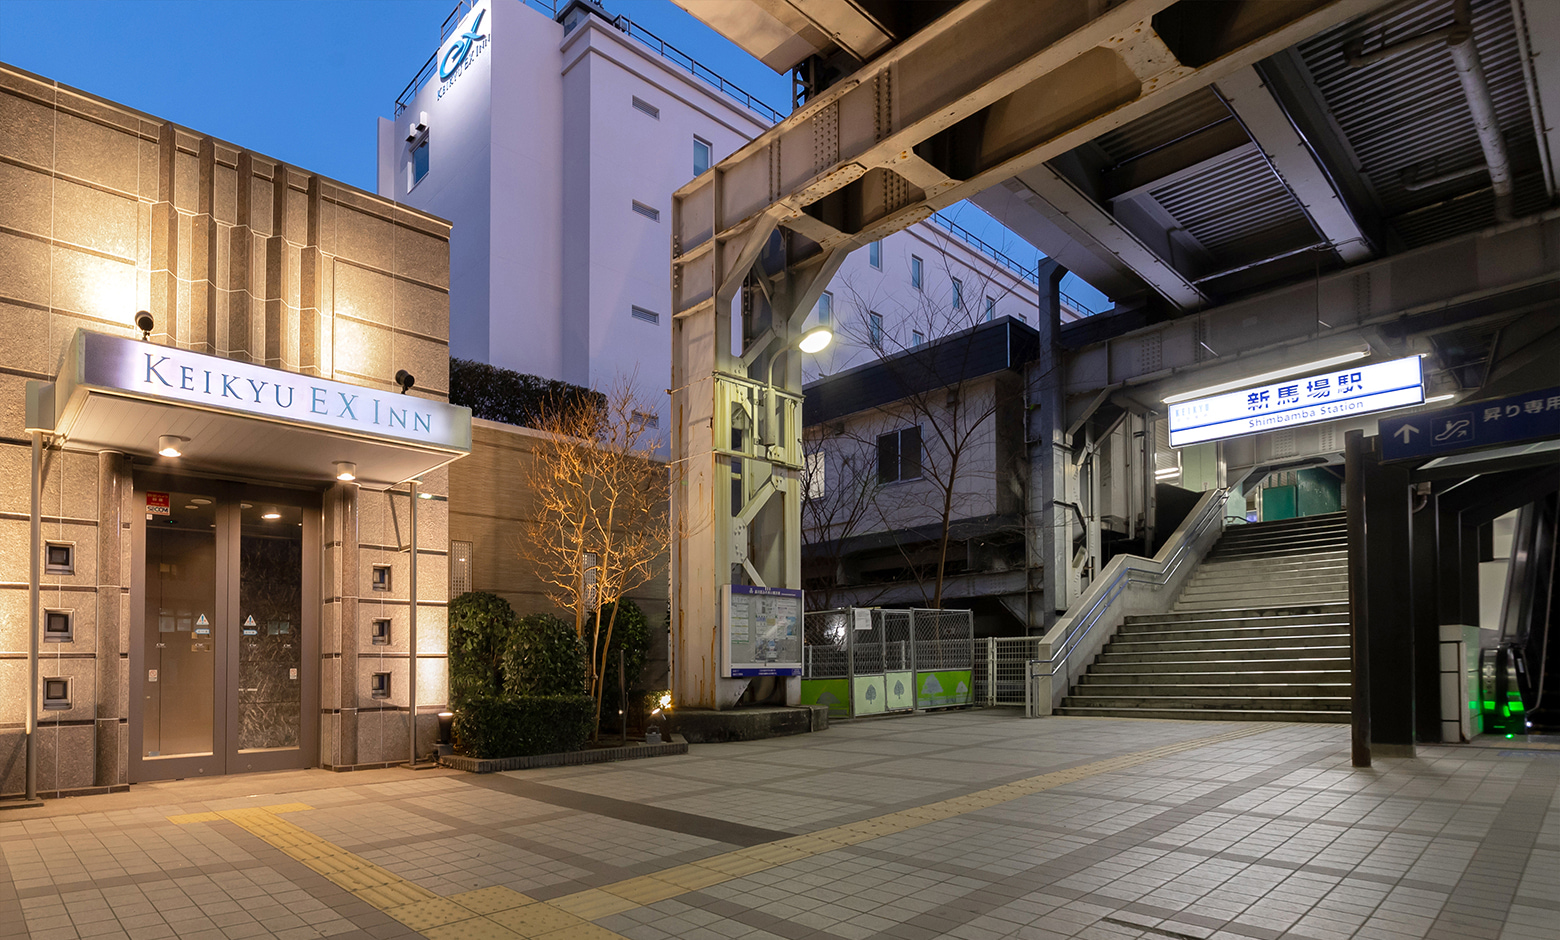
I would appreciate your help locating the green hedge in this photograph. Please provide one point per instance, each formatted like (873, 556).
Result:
(491, 726)
(544, 657)
(499, 394)
(481, 628)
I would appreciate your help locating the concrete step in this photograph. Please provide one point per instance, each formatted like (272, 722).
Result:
(1338, 610)
(1095, 699)
(1246, 654)
(1137, 633)
(1264, 587)
(1235, 541)
(1338, 559)
(1280, 548)
(1154, 621)
(1223, 667)
(1138, 643)
(1205, 714)
(1315, 682)
(1289, 525)
(1279, 599)
(1298, 575)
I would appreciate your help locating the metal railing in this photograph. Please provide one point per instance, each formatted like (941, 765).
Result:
(663, 48)
(1001, 257)
(1190, 541)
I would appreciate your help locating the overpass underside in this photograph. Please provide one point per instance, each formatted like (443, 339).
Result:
(1255, 184)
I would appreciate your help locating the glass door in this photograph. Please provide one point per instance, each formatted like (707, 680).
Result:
(226, 611)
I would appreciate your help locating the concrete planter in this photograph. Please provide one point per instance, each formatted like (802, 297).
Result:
(600, 755)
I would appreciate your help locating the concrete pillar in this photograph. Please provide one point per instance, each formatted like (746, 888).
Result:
(112, 579)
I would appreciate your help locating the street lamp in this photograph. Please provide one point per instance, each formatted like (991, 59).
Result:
(814, 340)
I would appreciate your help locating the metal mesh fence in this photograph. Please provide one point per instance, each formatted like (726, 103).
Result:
(1002, 669)
(890, 660)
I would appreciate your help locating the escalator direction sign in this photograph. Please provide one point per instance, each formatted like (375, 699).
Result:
(1472, 425)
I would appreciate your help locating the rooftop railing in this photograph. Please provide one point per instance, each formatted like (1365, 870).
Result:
(1029, 274)
(663, 48)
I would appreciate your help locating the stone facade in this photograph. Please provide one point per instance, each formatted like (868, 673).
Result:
(105, 211)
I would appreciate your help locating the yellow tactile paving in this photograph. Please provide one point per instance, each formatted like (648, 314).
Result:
(499, 913)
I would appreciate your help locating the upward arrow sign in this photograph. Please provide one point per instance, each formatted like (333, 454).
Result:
(1406, 432)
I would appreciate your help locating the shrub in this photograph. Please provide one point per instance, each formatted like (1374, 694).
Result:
(489, 726)
(631, 634)
(499, 394)
(544, 657)
(480, 627)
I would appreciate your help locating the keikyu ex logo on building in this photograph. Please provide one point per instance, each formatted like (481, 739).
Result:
(462, 51)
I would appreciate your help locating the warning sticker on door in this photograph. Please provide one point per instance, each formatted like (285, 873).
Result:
(156, 504)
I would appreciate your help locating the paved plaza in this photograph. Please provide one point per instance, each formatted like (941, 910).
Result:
(969, 824)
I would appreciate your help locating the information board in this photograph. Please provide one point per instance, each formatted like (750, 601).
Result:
(1514, 419)
(1343, 393)
(762, 630)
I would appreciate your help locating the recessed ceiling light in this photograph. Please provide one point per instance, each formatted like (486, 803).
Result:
(171, 445)
(270, 514)
(192, 506)
(200, 500)
(346, 471)
(246, 505)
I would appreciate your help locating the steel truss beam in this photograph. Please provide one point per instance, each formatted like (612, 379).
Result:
(989, 90)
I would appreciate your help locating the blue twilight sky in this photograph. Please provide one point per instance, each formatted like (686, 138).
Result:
(304, 80)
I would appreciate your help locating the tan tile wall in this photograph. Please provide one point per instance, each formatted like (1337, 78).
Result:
(105, 211)
(490, 508)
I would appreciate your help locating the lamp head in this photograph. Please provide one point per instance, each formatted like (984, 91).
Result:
(815, 340)
(405, 379)
(144, 323)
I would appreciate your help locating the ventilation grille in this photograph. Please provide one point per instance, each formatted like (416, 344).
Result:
(649, 316)
(460, 568)
(652, 214)
(641, 104)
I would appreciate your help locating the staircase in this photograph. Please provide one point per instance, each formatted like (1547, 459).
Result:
(1260, 633)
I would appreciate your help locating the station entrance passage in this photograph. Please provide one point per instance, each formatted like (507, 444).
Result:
(1457, 510)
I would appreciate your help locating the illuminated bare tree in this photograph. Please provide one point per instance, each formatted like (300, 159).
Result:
(600, 530)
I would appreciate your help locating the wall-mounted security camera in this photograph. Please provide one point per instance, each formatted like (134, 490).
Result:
(405, 379)
(144, 323)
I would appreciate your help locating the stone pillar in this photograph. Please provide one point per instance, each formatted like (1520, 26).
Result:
(113, 480)
(342, 579)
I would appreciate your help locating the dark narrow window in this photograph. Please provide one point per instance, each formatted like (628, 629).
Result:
(875, 330)
(420, 160)
(701, 156)
(991, 309)
(825, 308)
(917, 337)
(958, 294)
(899, 455)
(875, 254)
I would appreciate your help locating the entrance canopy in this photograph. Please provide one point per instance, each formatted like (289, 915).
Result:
(237, 418)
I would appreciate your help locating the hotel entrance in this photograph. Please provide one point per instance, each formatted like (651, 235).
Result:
(225, 606)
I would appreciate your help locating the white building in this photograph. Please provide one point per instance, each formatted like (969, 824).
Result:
(554, 143)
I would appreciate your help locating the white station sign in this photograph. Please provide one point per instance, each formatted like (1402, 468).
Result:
(1342, 393)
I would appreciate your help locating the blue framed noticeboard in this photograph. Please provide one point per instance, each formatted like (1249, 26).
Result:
(761, 631)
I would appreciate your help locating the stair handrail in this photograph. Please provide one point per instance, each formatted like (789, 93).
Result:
(1055, 650)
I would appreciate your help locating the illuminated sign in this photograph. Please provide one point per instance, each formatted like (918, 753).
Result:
(763, 628)
(1344, 393)
(169, 374)
(468, 45)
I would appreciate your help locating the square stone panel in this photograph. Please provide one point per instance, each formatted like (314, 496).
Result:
(97, 154)
(25, 199)
(29, 130)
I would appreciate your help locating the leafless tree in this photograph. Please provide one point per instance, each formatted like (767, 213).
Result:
(928, 349)
(600, 529)
(837, 504)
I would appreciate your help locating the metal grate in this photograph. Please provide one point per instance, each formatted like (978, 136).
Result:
(460, 568)
(649, 316)
(641, 104)
(649, 212)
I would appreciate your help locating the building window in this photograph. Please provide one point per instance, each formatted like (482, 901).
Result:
(647, 419)
(419, 160)
(813, 475)
(875, 330)
(917, 337)
(379, 579)
(875, 254)
(59, 558)
(460, 567)
(379, 632)
(641, 104)
(379, 685)
(899, 455)
(958, 294)
(648, 212)
(56, 693)
(640, 313)
(701, 156)
(58, 626)
(917, 272)
(991, 309)
(589, 571)
(825, 308)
